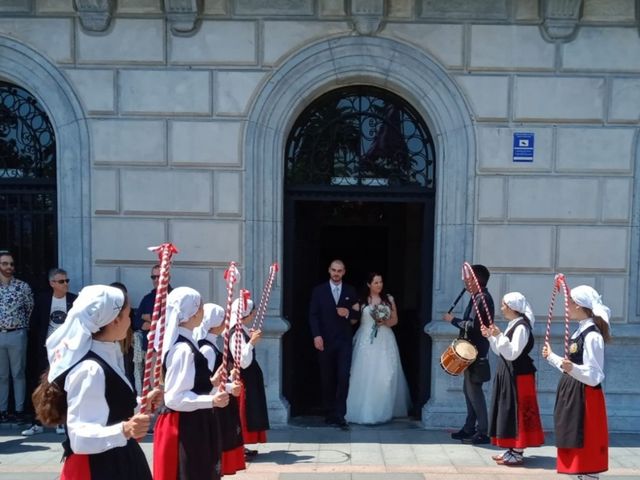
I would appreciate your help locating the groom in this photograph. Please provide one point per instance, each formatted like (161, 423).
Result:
(334, 308)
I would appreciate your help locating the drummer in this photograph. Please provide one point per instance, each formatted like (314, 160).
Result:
(475, 427)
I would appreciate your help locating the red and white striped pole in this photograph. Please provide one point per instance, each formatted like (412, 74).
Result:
(165, 252)
(264, 299)
(243, 300)
(468, 273)
(559, 283)
(231, 276)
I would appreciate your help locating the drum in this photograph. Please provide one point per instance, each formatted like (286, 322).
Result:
(460, 354)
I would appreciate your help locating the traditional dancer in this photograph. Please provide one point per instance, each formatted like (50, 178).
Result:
(187, 442)
(514, 420)
(86, 386)
(580, 413)
(229, 417)
(253, 400)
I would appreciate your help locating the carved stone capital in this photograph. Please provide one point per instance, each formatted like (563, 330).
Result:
(95, 15)
(182, 15)
(367, 15)
(561, 18)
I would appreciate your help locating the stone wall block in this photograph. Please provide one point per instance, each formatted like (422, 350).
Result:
(227, 194)
(15, 6)
(274, 7)
(331, 8)
(109, 235)
(488, 95)
(115, 46)
(166, 192)
(163, 92)
(606, 11)
(52, 37)
(616, 199)
(137, 280)
(284, 37)
(593, 150)
(527, 10)
(205, 143)
(598, 49)
(463, 9)
(491, 193)
(510, 47)
(515, 246)
(128, 142)
(216, 7)
(400, 9)
(102, 275)
(582, 248)
(209, 242)
(613, 289)
(495, 149)
(234, 90)
(105, 191)
(199, 279)
(625, 100)
(442, 41)
(140, 6)
(96, 89)
(54, 6)
(559, 99)
(553, 199)
(211, 45)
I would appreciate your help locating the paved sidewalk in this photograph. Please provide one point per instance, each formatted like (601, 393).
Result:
(400, 450)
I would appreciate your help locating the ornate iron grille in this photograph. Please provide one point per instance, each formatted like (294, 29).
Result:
(360, 137)
(27, 140)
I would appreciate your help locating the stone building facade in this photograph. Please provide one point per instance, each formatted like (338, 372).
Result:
(171, 119)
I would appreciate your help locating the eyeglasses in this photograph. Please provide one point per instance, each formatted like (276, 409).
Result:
(60, 282)
(7, 264)
(154, 277)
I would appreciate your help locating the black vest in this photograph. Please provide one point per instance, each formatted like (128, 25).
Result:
(201, 383)
(576, 346)
(523, 364)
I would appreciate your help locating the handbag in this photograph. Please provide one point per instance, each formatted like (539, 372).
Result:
(479, 371)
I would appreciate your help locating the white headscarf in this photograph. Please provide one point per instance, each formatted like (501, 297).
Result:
(182, 304)
(587, 297)
(234, 315)
(95, 307)
(213, 317)
(517, 301)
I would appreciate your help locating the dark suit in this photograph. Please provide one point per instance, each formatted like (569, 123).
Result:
(335, 360)
(40, 325)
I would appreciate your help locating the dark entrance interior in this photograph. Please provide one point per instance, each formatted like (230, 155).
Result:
(394, 238)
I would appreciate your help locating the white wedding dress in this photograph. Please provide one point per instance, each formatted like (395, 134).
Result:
(378, 389)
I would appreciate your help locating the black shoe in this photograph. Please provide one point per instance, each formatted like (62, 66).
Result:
(462, 434)
(4, 418)
(477, 439)
(330, 421)
(250, 453)
(20, 418)
(343, 425)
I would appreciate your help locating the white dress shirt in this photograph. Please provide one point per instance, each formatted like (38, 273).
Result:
(591, 372)
(87, 409)
(246, 350)
(180, 378)
(510, 349)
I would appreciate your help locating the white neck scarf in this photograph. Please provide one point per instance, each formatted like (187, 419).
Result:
(588, 297)
(517, 301)
(95, 307)
(213, 317)
(182, 304)
(234, 313)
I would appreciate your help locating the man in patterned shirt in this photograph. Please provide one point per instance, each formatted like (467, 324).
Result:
(16, 304)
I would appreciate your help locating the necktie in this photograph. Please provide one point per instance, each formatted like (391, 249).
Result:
(336, 293)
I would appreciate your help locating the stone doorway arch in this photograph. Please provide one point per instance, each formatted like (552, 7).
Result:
(309, 73)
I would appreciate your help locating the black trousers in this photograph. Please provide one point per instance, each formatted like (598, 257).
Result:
(335, 367)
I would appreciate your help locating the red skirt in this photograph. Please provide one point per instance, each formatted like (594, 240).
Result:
(233, 460)
(593, 457)
(75, 467)
(529, 430)
(249, 437)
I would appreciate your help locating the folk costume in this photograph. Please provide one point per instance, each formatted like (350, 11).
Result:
(253, 399)
(514, 419)
(229, 417)
(580, 413)
(187, 439)
(99, 395)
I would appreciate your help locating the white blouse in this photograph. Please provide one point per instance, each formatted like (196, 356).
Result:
(510, 349)
(180, 378)
(87, 409)
(246, 350)
(591, 372)
(210, 354)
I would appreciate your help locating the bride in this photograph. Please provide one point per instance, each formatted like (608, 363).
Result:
(378, 389)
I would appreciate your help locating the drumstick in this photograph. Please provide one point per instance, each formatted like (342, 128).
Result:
(455, 302)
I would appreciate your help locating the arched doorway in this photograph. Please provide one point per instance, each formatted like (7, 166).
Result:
(359, 180)
(28, 193)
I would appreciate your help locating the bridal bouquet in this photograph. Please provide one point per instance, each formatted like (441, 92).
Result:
(380, 313)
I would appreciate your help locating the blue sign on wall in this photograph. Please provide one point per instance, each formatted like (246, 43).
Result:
(523, 147)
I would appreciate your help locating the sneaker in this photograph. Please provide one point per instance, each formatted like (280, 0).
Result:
(32, 430)
(462, 434)
(477, 439)
(511, 459)
(500, 456)
(60, 430)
